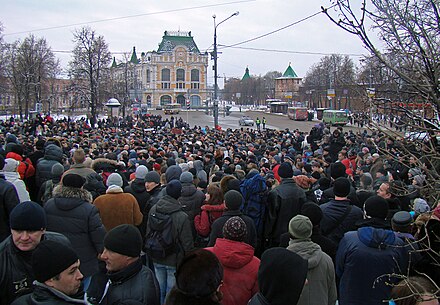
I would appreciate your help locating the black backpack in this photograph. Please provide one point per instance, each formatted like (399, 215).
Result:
(159, 242)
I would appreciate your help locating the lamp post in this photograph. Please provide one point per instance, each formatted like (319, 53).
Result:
(214, 55)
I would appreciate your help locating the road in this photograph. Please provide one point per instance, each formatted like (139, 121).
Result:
(274, 121)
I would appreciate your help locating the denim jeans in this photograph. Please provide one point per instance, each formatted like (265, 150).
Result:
(166, 279)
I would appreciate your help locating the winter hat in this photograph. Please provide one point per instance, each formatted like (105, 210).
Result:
(124, 239)
(303, 181)
(173, 173)
(300, 227)
(341, 187)
(2, 162)
(414, 171)
(10, 138)
(50, 258)
(174, 189)
(156, 166)
(114, 179)
(420, 206)
(233, 200)
(184, 167)
(186, 177)
(40, 144)
(28, 216)
(316, 175)
(313, 212)
(141, 172)
(73, 180)
(233, 184)
(57, 170)
(420, 179)
(401, 219)
(277, 158)
(235, 229)
(152, 176)
(10, 165)
(276, 270)
(376, 207)
(285, 170)
(324, 183)
(337, 170)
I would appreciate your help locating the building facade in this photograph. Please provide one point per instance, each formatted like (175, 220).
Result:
(287, 87)
(175, 73)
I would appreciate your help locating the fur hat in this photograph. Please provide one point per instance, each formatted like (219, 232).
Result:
(114, 179)
(285, 170)
(141, 172)
(73, 180)
(124, 239)
(376, 207)
(341, 187)
(27, 216)
(233, 200)
(235, 229)
(300, 227)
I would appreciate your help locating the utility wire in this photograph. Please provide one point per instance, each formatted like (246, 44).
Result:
(129, 16)
(295, 52)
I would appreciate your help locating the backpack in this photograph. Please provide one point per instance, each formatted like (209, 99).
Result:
(47, 194)
(159, 242)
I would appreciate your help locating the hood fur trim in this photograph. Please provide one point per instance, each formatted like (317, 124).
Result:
(72, 192)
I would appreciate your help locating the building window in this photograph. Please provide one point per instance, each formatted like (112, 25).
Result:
(195, 79)
(166, 78)
(148, 76)
(180, 75)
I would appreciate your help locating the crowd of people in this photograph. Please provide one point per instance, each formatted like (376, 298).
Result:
(153, 211)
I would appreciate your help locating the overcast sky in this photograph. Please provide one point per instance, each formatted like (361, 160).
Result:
(129, 23)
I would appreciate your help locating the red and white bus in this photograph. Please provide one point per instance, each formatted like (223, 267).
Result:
(297, 113)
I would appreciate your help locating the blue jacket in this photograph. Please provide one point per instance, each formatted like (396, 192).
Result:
(363, 257)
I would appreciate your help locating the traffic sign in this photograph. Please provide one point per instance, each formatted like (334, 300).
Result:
(331, 93)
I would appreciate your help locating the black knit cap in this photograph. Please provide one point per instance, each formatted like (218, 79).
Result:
(50, 258)
(285, 170)
(376, 207)
(341, 187)
(124, 239)
(233, 200)
(73, 180)
(28, 216)
(174, 189)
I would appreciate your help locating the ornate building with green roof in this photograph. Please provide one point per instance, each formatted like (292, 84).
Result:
(175, 73)
(287, 86)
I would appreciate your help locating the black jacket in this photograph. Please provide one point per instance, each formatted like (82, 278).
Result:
(132, 285)
(217, 228)
(191, 200)
(45, 295)
(137, 189)
(71, 213)
(8, 200)
(16, 274)
(52, 155)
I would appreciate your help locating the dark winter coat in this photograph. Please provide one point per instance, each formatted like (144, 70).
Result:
(16, 277)
(284, 202)
(8, 200)
(191, 200)
(217, 228)
(362, 257)
(135, 284)
(45, 295)
(95, 185)
(240, 270)
(52, 154)
(71, 213)
(137, 189)
(332, 212)
(182, 232)
(329, 194)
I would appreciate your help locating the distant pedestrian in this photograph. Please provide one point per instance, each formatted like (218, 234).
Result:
(264, 121)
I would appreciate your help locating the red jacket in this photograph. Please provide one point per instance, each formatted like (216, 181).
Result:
(203, 221)
(24, 170)
(240, 270)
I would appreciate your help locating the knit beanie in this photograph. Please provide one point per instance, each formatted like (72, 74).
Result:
(141, 172)
(401, 219)
(303, 181)
(235, 229)
(124, 239)
(233, 184)
(313, 212)
(376, 207)
(73, 180)
(28, 216)
(114, 179)
(57, 170)
(300, 227)
(233, 200)
(337, 170)
(420, 206)
(285, 170)
(152, 176)
(10, 165)
(341, 187)
(174, 189)
(50, 258)
(186, 177)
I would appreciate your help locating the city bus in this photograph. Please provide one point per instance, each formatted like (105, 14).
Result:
(335, 117)
(172, 108)
(277, 106)
(297, 113)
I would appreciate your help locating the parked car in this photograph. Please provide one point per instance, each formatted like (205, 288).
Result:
(246, 121)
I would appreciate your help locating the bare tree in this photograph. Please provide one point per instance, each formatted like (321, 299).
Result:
(90, 62)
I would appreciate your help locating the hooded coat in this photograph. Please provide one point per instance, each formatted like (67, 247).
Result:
(321, 286)
(20, 186)
(71, 213)
(363, 256)
(52, 154)
(191, 200)
(240, 271)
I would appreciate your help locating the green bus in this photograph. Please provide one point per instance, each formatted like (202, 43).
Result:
(335, 117)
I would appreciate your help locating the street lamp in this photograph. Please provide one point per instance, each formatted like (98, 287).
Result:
(214, 55)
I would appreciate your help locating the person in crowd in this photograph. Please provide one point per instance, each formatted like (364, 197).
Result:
(8, 200)
(365, 189)
(233, 202)
(52, 154)
(126, 280)
(191, 199)
(338, 170)
(71, 213)
(28, 228)
(240, 266)
(153, 187)
(281, 278)
(117, 207)
(284, 202)
(339, 215)
(199, 278)
(375, 214)
(79, 167)
(415, 290)
(45, 192)
(165, 267)
(321, 287)
(57, 276)
(11, 175)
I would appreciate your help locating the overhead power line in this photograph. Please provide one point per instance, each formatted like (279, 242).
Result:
(296, 52)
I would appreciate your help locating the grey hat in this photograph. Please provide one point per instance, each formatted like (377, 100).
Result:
(300, 227)
(114, 179)
(186, 177)
(57, 170)
(152, 176)
(141, 172)
(420, 206)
